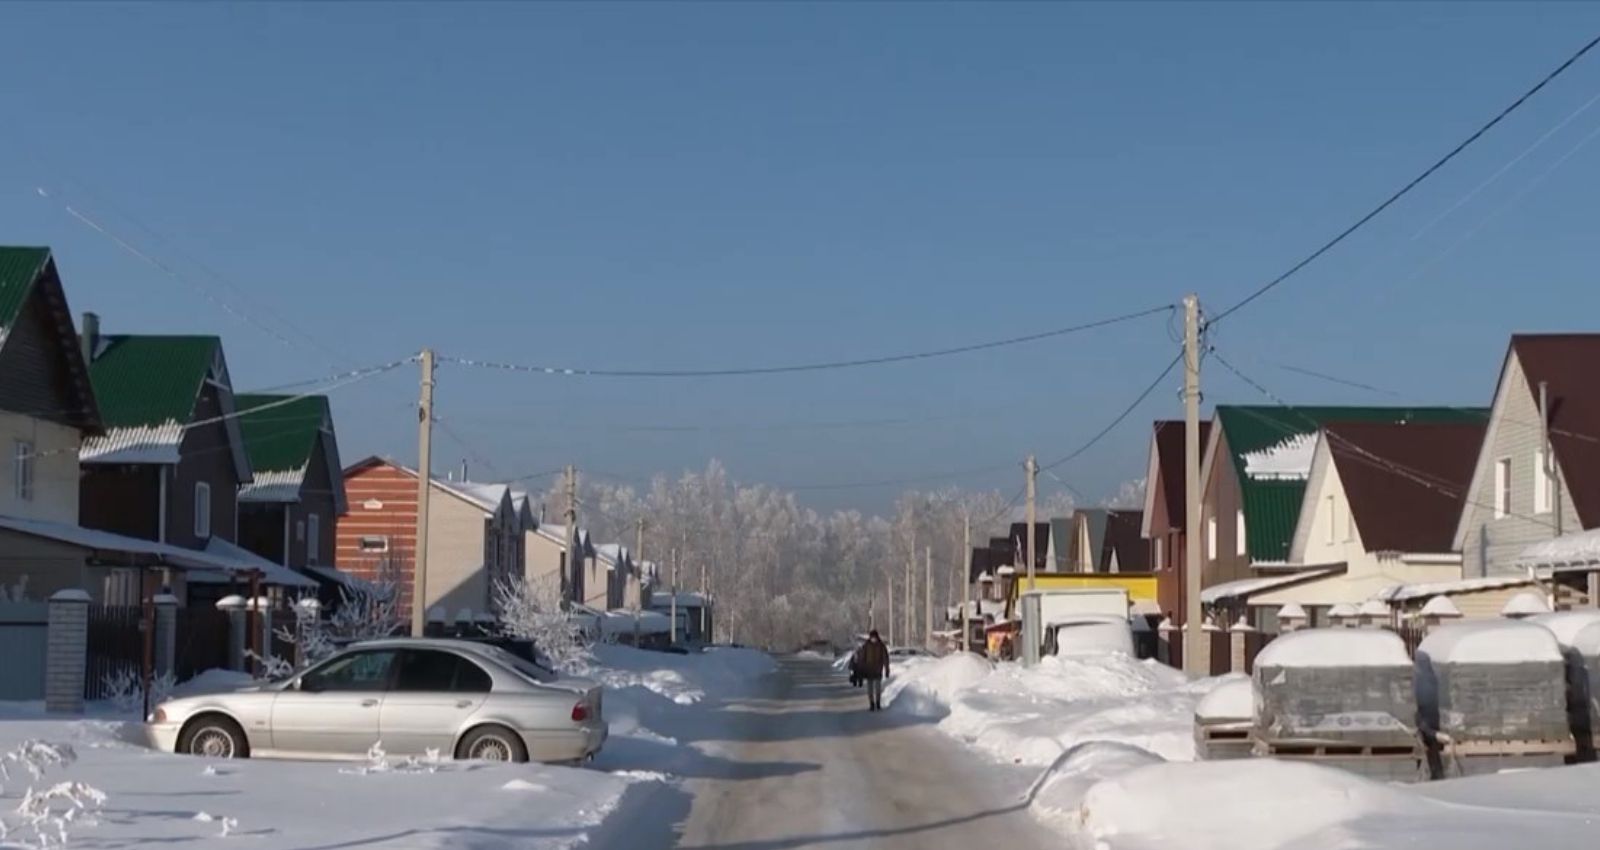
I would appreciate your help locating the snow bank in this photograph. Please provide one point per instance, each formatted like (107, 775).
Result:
(1335, 648)
(1486, 642)
(926, 687)
(1059, 793)
(684, 679)
(1233, 699)
(1573, 629)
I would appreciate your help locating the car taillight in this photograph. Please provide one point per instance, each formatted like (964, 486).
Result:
(580, 713)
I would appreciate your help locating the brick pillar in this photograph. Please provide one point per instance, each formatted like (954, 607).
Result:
(67, 651)
(166, 634)
(235, 606)
(1236, 650)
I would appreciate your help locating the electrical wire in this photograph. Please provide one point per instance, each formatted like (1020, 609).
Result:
(1415, 181)
(572, 371)
(1126, 412)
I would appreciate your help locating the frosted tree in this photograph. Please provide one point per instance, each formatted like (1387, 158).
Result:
(531, 610)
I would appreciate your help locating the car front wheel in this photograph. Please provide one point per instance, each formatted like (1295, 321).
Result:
(214, 736)
(492, 743)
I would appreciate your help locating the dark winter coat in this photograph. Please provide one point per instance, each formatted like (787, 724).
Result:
(872, 660)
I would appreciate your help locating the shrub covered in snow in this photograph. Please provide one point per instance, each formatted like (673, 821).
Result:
(43, 816)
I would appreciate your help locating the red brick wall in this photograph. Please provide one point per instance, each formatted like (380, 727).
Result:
(382, 502)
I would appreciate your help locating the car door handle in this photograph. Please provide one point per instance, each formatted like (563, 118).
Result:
(368, 703)
(463, 703)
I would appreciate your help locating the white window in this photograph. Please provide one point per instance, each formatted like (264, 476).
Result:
(1542, 480)
(22, 457)
(313, 538)
(1502, 487)
(1211, 537)
(1238, 533)
(373, 543)
(202, 509)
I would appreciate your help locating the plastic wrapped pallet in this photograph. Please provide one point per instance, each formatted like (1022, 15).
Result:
(1578, 633)
(1222, 721)
(1341, 688)
(1492, 681)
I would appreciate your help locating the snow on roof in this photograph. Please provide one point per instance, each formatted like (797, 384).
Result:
(138, 444)
(1581, 547)
(1373, 608)
(1247, 586)
(1344, 609)
(1525, 604)
(1288, 459)
(1488, 642)
(236, 559)
(1234, 699)
(90, 538)
(979, 608)
(1007, 570)
(1567, 626)
(685, 599)
(1335, 648)
(1440, 606)
(486, 496)
(1292, 611)
(279, 486)
(614, 623)
(1407, 592)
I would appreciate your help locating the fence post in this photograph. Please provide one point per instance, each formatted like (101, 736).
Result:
(1236, 650)
(166, 634)
(67, 651)
(234, 606)
(263, 607)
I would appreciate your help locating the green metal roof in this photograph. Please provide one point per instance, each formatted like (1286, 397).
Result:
(19, 268)
(150, 380)
(1272, 505)
(281, 438)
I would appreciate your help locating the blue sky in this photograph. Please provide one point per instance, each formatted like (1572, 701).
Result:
(689, 186)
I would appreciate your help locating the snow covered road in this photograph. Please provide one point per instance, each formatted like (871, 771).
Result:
(808, 766)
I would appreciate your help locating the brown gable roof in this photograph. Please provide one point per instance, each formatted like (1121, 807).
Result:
(1393, 508)
(1122, 538)
(1567, 364)
(1169, 464)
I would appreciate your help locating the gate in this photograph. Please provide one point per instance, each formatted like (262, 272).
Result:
(24, 628)
(1221, 652)
(202, 641)
(1254, 642)
(116, 646)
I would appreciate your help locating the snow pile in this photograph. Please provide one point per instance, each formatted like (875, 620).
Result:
(1441, 606)
(925, 687)
(1335, 648)
(1487, 642)
(1578, 630)
(684, 679)
(1525, 604)
(1232, 700)
(1060, 791)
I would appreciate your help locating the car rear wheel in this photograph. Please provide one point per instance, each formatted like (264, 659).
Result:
(214, 736)
(492, 743)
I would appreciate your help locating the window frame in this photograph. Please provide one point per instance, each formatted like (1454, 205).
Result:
(1211, 537)
(1239, 533)
(388, 679)
(1542, 491)
(202, 509)
(382, 539)
(313, 540)
(23, 469)
(1502, 487)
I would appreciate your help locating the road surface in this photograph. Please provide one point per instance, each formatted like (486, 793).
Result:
(806, 765)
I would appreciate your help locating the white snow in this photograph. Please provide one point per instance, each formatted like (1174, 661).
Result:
(1373, 608)
(1247, 586)
(1406, 592)
(1233, 699)
(1578, 630)
(1441, 606)
(139, 444)
(1580, 548)
(1344, 610)
(1292, 612)
(925, 687)
(1525, 604)
(1288, 459)
(1489, 642)
(1335, 648)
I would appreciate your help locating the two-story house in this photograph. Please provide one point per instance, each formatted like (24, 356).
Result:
(1537, 475)
(288, 511)
(172, 460)
(1165, 515)
(1104, 540)
(606, 584)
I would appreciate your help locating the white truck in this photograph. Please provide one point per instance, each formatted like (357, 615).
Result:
(1069, 622)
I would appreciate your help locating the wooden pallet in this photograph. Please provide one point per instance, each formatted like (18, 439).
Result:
(1552, 747)
(1321, 749)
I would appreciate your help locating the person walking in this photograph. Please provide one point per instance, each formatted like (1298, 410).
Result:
(872, 665)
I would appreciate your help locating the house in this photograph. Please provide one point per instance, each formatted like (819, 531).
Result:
(1369, 526)
(1165, 514)
(1529, 487)
(288, 511)
(546, 561)
(1041, 546)
(475, 537)
(172, 460)
(606, 582)
(1253, 481)
(1106, 540)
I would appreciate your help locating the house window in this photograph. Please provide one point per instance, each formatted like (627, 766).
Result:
(1211, 537)
(1542, 480)
(202, 510)
(1502, 488)
(1238, 532)
(22, 457)
(313, 538)
(373, 544)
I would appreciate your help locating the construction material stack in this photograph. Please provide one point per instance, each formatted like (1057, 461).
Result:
(1222, 721)
(1578, 633)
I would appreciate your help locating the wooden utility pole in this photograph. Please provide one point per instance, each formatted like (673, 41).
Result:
(966, 580)
(927, 597)
(570, 576)
(1033, 480)
(419, 558)
(1196, 657)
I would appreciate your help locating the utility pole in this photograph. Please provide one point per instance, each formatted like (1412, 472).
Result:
(1033, 480)
(1196, 658)
(966, 580)
(419, 558)
(927, 597)
(672, 632)
(705, 601)
(888, 624)
(570, 576)
(911, 565)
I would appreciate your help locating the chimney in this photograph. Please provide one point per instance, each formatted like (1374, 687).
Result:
(89, 338)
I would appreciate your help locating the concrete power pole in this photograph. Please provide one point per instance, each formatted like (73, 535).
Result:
(888, 623)
(672, 631)
(570, 576)
(911, 566)
(927, 597)
(1196, 658)
(966, 581)
(1033, 480)
(419, 558)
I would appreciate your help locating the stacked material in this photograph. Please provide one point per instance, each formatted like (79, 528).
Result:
(1222, 721)
(1578, 633)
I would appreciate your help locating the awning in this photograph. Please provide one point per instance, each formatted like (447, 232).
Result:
(1407, 592)
(105, 543)
(231, 560)
(1242, 588)
(1579, 550)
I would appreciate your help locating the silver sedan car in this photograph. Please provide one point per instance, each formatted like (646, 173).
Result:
(414, 696)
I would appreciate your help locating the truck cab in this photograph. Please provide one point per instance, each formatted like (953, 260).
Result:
(1088, 634)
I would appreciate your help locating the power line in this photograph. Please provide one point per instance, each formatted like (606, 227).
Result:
(572, 371)
(1126, 412)
(1415, 181)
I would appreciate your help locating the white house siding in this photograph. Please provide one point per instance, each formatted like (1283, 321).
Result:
(456, 538)
(544, 558)
(55, 469)
(1489, 546)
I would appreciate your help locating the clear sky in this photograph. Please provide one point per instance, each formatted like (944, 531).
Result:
(687, 186)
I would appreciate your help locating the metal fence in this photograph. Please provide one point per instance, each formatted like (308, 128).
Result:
(202, 640)
(116, 646)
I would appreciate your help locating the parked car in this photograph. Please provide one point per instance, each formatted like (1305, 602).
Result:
(464, 699)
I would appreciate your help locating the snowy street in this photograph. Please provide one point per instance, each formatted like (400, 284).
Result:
(812, 768)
